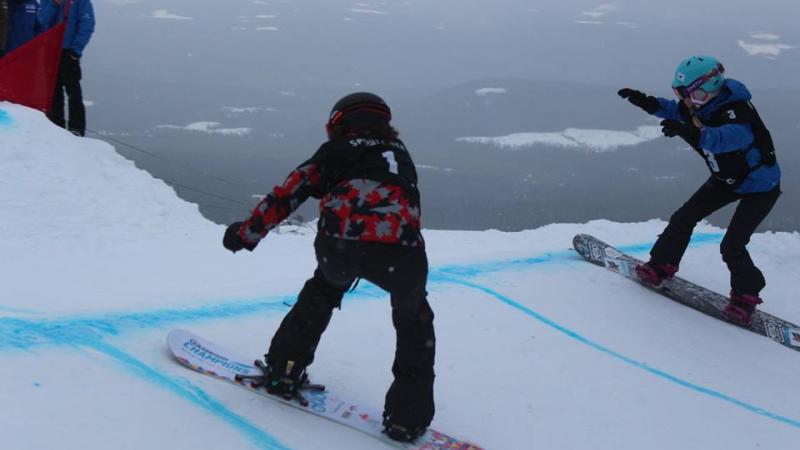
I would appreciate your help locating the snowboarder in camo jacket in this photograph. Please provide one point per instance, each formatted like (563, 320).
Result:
(715, 117)
(369, 227)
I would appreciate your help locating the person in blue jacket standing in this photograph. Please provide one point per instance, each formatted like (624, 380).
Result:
(80, 26)
(715, 117)
(23, 22)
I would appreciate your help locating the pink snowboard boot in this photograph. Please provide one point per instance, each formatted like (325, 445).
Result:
(655, 274)
(741, 308)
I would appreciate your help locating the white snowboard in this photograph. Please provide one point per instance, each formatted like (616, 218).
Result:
(208, 358)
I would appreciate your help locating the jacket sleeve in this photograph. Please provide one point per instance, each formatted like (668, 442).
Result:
(85, 18)
(727, 138)
(668, 109)
(282, 201)
(3, 25)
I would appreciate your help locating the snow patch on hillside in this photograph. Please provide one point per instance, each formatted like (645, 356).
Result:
(764, 36)
(239, 110)
(573, 138)
(767, 45)
(208, 127)
(482, 92)
(374, 12)
(601, 11)
(166, 15)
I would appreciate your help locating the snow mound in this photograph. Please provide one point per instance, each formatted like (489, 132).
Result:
(99, 261)
(56, 187)
(101, 231)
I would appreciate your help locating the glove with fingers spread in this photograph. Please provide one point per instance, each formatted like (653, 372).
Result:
(690, 134)
(638, 98)
(232, 241)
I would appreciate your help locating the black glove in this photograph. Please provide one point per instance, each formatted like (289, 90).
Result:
(232, 241)
(647, 102)
(72, 54)
(690, 134)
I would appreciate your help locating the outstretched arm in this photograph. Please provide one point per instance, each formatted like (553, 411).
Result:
(280, 203)
(668, 109)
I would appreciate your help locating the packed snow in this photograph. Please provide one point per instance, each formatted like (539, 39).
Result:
(536, 348)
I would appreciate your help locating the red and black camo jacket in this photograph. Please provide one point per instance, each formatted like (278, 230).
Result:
(367, 190)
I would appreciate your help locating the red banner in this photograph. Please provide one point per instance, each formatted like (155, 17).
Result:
(28, 73)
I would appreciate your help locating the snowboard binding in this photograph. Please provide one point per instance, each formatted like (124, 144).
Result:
(287, 383)
(741, 308)
(653, 274)
(400, 433)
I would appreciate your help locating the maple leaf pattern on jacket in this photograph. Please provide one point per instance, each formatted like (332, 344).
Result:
(363, 196)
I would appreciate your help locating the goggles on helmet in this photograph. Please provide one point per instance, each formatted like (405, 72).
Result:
(697, 96)
(694, 91)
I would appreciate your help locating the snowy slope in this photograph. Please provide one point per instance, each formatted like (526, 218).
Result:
(536, 348)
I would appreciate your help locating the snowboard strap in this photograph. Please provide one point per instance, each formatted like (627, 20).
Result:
(260, 381)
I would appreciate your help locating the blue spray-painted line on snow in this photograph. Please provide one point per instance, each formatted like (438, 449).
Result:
(603, 349)
(25, 333)
(5, 119)
(17, 333)
(89, 332)
(194, 394)
(473, 270)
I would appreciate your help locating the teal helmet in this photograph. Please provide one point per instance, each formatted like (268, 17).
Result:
(698, 72)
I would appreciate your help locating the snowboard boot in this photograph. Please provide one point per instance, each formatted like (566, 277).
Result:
(653, 274)
(284, 378)
(401, 433)
(741, 308)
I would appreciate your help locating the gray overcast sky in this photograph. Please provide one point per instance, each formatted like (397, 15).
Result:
(434, 44)
(153, 63)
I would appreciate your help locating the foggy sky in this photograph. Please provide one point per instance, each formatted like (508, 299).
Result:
(175, 62)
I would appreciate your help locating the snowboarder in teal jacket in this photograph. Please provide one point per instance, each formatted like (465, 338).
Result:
(715, 117)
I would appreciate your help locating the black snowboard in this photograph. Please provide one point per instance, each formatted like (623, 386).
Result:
(685, 292)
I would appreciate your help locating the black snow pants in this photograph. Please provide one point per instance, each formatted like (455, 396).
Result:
(746, 278)
(400, 270)
(69, 80)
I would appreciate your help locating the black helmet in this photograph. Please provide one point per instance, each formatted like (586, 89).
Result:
(360, 109)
